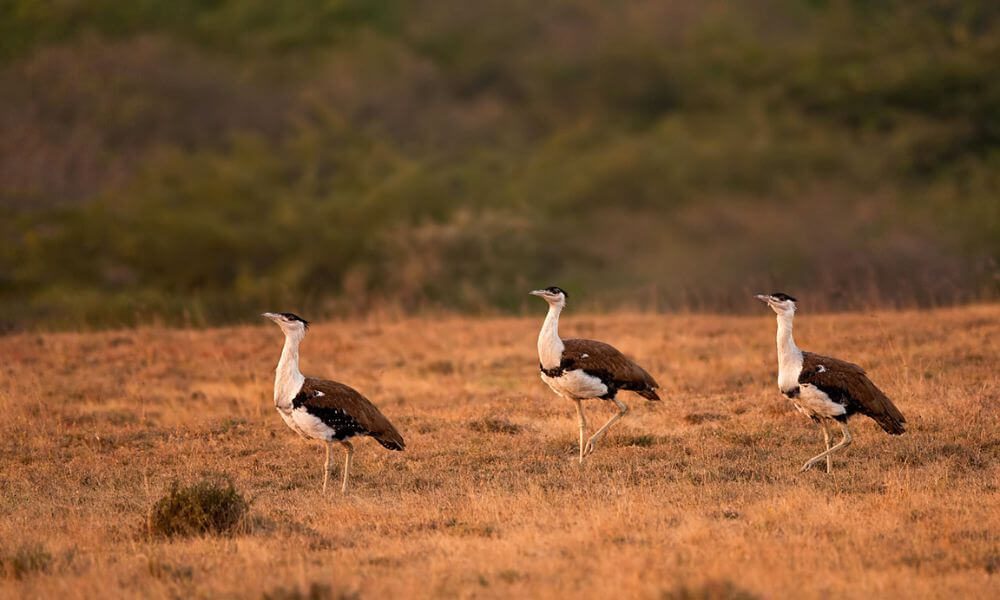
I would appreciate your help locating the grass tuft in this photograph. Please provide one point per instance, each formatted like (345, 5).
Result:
(713, 590)
(203, 508)
(495, 425)
(704, 417)
(25, 560)
(642, 440)
(316, 591)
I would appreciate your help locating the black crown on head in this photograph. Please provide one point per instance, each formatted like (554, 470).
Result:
(295, 317)
(783, 296)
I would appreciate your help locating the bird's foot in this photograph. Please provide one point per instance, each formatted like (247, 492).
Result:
(589, 448)
(812, 462)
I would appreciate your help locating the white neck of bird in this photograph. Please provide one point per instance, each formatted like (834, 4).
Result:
(288, 379)
(789, 355)
(550, 346)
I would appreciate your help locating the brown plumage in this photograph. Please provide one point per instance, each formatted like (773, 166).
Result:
(585, 369)
(826, 389)
(847, 384)
(613, 368)
(330, 399)
(324, 410)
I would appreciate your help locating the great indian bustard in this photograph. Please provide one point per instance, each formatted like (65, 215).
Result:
(826, 389)
(583, 369)
(324, 410)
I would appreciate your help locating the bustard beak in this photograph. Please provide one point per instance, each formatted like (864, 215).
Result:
(541, 293)
(763, 298)
(271, 316)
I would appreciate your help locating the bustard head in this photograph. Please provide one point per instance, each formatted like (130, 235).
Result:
(780, 302)
(553, 295)
(289, 322)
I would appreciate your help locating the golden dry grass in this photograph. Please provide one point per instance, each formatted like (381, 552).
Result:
(697, 496)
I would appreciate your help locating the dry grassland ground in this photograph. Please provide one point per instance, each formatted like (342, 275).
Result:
(697, 496)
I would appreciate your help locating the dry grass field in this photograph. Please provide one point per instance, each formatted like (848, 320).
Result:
(698, 496)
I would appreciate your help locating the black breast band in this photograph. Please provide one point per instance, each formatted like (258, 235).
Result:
(553, 372)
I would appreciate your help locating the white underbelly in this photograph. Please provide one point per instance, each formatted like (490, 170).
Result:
(813, 402)
(286, 416)
(305, 424)
(310, 426)
(576, 384)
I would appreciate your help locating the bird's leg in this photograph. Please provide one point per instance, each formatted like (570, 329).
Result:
(326, 465)
(826, 440)
(349, 448)
(583, 427)
(845, 442)
(622, 409)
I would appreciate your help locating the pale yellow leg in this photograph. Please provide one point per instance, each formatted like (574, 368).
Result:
(826, 440)
(599, 434)
(326, 465)
(349, 448)
(583, 427)
(845, 442)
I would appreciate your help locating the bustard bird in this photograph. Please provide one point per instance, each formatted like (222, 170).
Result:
(826, 389)
(583, 369)
(324, 410)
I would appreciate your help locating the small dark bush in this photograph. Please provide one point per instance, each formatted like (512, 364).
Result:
(27, 559)
(642, 441)
(317, 591)
(203, 508)
(712, 590)
(441, 367)
(696, 418)
(495, 425)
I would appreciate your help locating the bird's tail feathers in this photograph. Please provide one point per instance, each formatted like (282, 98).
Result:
(648, 394)
(390, 439)
(889, 417)
(893, 424)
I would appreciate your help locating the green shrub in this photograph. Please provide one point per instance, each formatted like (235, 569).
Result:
(199, 163)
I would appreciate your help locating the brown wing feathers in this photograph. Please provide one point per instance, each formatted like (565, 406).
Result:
(323, 395)
(608, 364)
(848, 383)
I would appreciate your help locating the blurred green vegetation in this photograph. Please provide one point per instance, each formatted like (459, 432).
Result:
(201, 161)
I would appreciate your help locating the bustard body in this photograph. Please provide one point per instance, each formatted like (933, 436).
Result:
(579, 370)
(826, 389)
(324, 410)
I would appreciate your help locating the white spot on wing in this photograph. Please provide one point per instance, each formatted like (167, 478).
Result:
(584, 355)
(319, 394)
(821, 369)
